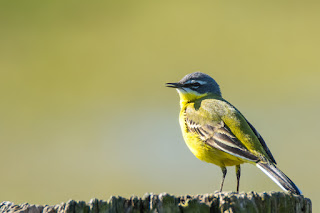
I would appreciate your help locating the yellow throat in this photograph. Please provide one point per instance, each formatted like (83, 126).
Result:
(187, 96)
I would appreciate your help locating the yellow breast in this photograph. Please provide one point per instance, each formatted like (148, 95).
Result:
(204, 151)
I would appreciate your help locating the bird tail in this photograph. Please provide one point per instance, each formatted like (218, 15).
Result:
(279, 177)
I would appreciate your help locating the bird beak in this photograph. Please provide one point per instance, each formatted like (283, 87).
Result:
(174, 85)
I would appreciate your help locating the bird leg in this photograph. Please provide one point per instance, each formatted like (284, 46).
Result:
(238, 173)
(224, 173)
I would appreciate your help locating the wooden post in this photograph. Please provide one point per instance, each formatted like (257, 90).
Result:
(272, 202)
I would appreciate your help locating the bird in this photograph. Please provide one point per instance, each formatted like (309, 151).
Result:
(216, 132)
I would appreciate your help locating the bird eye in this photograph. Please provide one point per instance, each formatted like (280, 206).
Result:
(196, 85)
(193, 85)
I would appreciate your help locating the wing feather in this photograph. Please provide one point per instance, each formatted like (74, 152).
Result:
(221, 138)
(263, 143)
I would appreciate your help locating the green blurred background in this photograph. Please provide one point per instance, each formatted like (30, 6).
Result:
(84, 112)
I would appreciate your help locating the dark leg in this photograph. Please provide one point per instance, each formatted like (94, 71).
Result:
(238, 173)
(224, 173)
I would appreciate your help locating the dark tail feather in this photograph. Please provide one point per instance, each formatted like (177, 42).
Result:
(279, 177)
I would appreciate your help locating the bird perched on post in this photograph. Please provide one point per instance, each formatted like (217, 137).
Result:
(216, 132)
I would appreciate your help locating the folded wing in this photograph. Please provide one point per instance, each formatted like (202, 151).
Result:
(220, 137)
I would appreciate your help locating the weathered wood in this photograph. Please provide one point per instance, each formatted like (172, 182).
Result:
(272, 202)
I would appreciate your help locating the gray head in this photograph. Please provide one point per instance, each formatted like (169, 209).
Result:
(197, 82)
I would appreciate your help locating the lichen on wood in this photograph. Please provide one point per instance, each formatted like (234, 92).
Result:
(272, 202)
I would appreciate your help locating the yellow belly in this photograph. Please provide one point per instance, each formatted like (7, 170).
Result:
(206, 152)
(209, 154)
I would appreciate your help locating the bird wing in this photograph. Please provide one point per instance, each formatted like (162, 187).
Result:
(263, 143)
(213, 130)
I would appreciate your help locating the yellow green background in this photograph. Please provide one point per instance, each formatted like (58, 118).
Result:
(84, 112)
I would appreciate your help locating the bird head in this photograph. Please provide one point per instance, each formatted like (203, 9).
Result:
(196, 85)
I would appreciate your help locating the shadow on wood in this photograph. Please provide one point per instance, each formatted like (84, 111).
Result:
(272, 202)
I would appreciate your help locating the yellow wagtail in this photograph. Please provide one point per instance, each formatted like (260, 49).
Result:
(216, 132)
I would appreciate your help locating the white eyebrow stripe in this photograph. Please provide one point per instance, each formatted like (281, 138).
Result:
(195, 81)
(201, 82)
